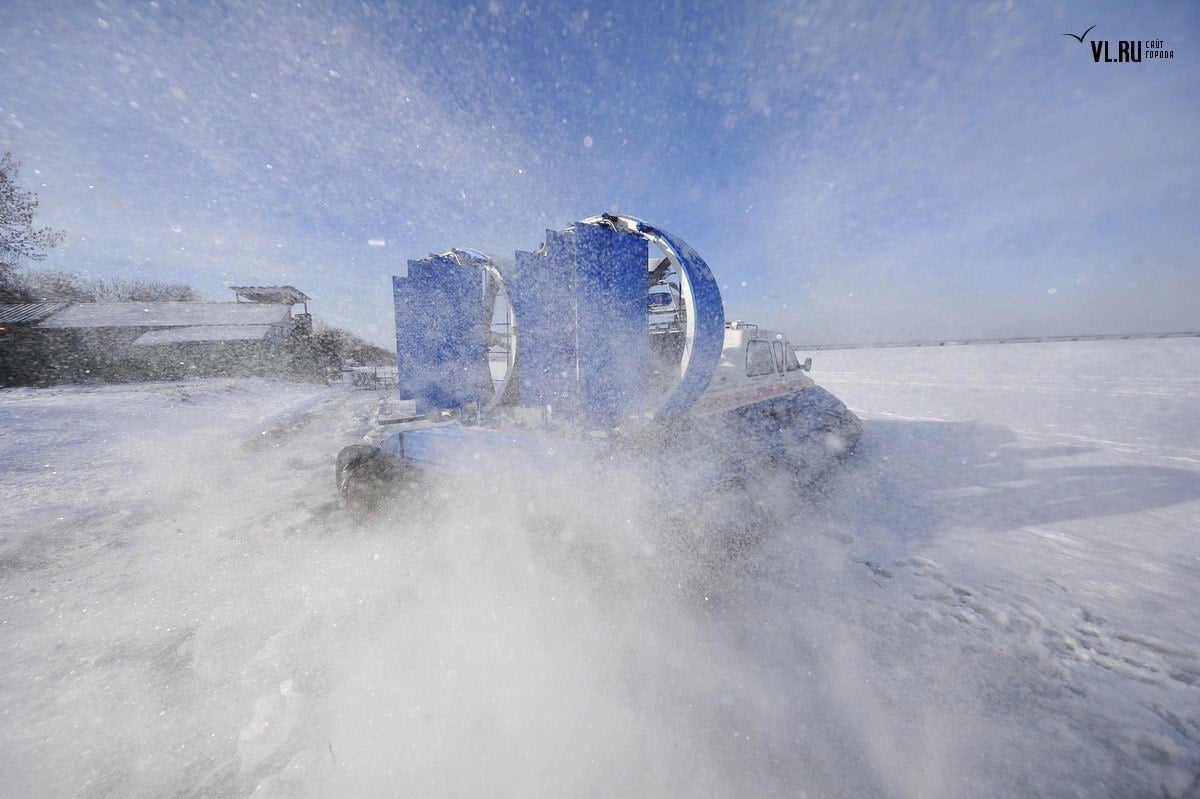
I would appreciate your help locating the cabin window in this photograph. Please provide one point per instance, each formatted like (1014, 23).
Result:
(793, 363)
(759, 360)
(777, 348)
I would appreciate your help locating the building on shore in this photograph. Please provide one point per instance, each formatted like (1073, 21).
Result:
(258, 333)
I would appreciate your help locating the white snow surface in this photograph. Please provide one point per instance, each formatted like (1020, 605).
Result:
(180, 335)
(997, 595)
(168, 314)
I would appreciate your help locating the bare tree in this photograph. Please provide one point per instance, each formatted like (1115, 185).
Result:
(125, 289)
(19, 239)
(61, 286)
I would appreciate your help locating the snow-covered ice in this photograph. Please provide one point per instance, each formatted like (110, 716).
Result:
(998, 595)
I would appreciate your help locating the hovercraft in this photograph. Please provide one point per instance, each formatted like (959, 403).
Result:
(609, 340)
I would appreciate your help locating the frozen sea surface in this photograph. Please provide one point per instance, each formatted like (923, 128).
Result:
(998, 595)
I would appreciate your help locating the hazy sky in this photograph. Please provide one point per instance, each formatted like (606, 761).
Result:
(850, 172)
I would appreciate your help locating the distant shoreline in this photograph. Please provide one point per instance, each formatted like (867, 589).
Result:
(1005, 340)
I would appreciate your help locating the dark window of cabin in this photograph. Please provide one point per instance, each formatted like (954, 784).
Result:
(759, 360)
(793, 363)
(777, 347)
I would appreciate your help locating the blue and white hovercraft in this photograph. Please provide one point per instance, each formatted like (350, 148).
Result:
(610, 341)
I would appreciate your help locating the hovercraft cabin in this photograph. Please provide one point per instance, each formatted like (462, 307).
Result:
(49, 343)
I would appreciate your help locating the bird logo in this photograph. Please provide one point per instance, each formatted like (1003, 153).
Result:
(1081, 37)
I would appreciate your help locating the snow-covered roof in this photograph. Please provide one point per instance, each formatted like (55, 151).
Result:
(28, 312)
(179, 335)
(168, 314)
(272, 294)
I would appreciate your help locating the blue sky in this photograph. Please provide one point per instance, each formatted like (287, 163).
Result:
(850, 172)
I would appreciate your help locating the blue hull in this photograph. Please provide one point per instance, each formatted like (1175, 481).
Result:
(802, 432)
